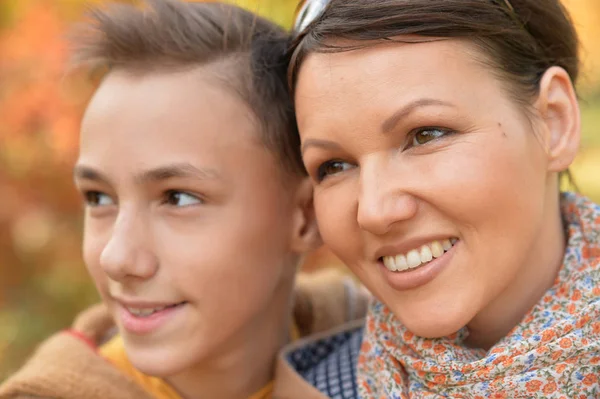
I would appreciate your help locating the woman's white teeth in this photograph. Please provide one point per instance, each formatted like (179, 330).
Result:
(413, 258)
(389, 262)
(401, 262)
(417, 257)
(437, 249)
(426, 254)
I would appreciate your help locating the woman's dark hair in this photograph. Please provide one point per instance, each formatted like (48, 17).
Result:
(521, 39)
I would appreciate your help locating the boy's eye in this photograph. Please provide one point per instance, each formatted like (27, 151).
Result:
(181, 199)
(331, 168)
(424, 135)
(96, 198)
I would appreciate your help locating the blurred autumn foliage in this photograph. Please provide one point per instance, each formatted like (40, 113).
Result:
(43, 282)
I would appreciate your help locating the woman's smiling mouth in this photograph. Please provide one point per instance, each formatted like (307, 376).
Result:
(409, 269)
(418, 256)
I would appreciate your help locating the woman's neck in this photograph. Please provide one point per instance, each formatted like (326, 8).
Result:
(536, 276)
(247, 364)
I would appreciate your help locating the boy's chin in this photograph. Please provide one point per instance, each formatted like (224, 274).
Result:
(162, 362)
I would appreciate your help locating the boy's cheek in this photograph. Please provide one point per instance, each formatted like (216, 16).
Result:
(92, 250)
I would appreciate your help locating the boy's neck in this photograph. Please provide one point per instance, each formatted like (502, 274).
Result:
(247, 365)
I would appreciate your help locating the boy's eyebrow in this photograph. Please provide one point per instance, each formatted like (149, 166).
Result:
(177, 170)
(161, 173)
(86, 173)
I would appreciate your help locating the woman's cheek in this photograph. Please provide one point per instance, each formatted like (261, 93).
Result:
(337, 221)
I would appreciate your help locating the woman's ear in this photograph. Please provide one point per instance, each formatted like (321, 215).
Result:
(559, 109)
(305, 230)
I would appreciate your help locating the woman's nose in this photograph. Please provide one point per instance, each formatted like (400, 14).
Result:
(383, 199)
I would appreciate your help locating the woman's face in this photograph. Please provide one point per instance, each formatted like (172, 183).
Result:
(431, 183)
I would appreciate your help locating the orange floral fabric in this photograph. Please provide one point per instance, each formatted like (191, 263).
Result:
(553, 353)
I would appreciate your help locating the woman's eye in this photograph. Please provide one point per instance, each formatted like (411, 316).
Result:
(96, 198)
(181, 199)
(331, 168)
(427, 134)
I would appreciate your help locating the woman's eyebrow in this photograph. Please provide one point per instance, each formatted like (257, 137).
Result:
(407, 109)
(319, 143)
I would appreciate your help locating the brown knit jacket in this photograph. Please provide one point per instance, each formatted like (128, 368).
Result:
(67, 365)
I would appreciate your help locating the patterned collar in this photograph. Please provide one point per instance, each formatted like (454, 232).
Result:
(329, 363)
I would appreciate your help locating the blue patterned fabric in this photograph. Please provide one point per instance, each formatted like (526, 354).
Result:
(329, 364)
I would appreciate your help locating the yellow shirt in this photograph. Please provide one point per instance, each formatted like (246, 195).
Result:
(114, 351)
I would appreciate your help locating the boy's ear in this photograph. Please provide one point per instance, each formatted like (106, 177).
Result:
(305, 231)
(559, 109)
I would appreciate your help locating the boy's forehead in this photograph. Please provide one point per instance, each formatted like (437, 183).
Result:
(178, 83)
(173, 115)
(167, 99)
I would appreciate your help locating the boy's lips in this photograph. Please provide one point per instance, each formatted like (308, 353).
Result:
(141, 317)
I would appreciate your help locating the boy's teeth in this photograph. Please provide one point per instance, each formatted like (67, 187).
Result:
(145, 312)
(417, 257)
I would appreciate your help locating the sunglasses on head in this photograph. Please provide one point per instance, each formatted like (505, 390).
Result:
(309, 10)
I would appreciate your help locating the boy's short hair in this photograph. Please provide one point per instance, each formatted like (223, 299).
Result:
(251, 52)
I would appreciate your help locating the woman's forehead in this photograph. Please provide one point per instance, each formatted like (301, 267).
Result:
(391, 75)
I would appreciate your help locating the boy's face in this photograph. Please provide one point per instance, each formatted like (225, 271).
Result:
(189, 232)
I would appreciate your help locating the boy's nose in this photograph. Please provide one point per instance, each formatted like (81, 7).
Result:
(383, 200)
(126, 255)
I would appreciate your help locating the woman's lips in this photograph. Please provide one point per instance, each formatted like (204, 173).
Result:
(416, 276)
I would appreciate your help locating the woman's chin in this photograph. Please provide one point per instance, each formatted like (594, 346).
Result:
(430, 324)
